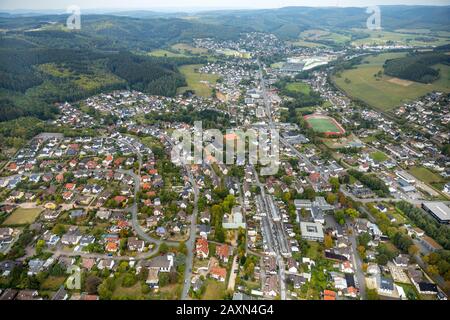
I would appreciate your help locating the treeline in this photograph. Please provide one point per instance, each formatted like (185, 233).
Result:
(372, 182)
(416, 67)
(432, 228)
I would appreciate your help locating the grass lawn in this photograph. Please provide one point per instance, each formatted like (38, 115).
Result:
(53, 283)
(313, 251)
(22, 216)
(382, 93)
(378, 156)
(214, 290)
(197, 81)
(298, 87)
(426, 175)
(133, 292)
(410, 291)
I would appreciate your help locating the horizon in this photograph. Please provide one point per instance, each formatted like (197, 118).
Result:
(172, 6)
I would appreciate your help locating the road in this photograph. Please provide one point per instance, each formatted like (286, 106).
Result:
(190, 244)
(357, 263)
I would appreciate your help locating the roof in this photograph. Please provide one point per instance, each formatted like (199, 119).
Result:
(439, 209)
(218, 271)
(329, 295)
(310, 229)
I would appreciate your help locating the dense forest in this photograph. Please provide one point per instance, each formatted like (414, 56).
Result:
(32, 79)
(416, 66)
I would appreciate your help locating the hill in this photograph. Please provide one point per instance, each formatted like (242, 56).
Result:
(416, 67)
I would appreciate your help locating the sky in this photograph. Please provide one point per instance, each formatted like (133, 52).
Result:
(166, 5)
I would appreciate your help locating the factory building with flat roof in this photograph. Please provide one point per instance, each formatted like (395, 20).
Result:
(439, 210)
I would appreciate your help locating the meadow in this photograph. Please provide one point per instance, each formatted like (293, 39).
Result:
(22, 216)
(384, 92)
(197, 81)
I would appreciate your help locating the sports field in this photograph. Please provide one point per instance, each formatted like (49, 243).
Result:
(385, 93)
(324, 124)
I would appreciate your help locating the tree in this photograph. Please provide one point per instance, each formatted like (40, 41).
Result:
(331, 198)
(40, 246)
(413, 250)
(433, 270)
(339, 215)
(59, 229)
(335, 184)
(352, 213)
(372, 294)
(182, 248)
(328, 241)
(163, 279)
(129, 280)
(92, 283)
(163, 248)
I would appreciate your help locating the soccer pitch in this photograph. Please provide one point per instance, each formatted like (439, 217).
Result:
(323, 124)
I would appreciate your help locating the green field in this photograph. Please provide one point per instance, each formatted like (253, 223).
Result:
(96, 79)
(298, 87)
(385, 93)
(426, 175)
(378, 156)
(323, 125)
(194, 80)
(22, 216)
(165, 53)
(214, 290)
(415, 37)
(322, 35)
(188, 49)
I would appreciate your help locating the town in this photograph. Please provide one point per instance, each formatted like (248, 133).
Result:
(359, 208)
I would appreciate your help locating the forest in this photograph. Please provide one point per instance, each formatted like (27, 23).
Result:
(416, 66)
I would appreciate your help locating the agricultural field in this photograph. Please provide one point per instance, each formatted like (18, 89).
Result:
(323, 124)
(385, 92)
(199, 82)
(417, 37)
(322, 35)
(166, 53)
(187, 49)
(22, 216)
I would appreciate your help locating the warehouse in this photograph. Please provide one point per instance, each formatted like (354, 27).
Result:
(438, 210)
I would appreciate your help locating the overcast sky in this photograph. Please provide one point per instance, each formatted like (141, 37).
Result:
(166, 4)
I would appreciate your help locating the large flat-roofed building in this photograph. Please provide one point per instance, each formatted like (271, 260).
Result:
(438, 210)
(311, 231)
